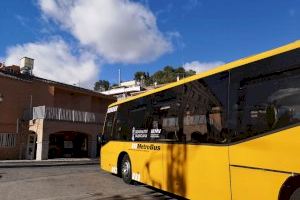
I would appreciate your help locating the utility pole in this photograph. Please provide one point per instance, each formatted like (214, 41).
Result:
(119, 77)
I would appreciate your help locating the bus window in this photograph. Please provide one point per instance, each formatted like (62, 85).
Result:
(264, 102)
(205, 108)
(107, 132)
(138, 125)
(166, 116)
(139, 120)
(120, 129)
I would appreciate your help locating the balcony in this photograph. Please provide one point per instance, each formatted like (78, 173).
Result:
(61, 114)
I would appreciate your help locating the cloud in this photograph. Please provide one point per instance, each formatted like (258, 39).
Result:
(117, 30)
(55, 61)
(201, 66)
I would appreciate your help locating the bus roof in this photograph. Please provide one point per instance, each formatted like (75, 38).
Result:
(225, 67)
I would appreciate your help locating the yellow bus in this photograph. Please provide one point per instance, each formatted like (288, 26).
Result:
(229, 133)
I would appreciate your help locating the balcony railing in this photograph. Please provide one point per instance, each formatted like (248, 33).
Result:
(61, 114)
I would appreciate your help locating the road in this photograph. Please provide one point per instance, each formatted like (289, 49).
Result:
(86, 182)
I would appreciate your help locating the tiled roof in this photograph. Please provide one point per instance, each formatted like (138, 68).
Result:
(25, 77)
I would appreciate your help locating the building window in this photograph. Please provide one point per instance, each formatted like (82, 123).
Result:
(7, 139)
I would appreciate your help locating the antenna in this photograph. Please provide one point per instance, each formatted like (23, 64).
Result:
(119, 77)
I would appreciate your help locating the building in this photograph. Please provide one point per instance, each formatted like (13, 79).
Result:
(41, 119)
(125, 89)
(129, 88)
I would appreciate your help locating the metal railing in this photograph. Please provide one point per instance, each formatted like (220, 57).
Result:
(61, 114)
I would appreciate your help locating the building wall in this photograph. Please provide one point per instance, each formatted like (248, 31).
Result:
(15, 100)
(21, 95)
(18, 96)
(16, 152)
(69, 99)
(42, 94)
(72, 100)
(99, 105)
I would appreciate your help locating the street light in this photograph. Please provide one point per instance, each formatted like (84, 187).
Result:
(1, 97)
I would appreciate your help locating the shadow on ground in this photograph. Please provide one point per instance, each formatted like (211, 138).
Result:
(155, 194)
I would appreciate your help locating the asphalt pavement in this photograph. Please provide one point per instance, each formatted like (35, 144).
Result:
(70, 182)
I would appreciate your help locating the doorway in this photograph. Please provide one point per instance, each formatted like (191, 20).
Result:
(68, 145)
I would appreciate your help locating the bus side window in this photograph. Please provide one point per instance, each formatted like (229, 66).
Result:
(165, 116)
(205, 108)
(121, 130)
(263, 102)
(108, 128)
(139, 120)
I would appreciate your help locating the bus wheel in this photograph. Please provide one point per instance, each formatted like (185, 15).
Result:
(295, 195)
(126, 169)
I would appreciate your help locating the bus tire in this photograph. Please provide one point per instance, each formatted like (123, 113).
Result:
(290, 190)
(295, 195)
(126, 171)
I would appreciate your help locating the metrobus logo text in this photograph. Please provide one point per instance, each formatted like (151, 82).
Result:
(145, 147)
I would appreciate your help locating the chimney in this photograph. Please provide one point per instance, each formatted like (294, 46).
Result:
(27, 65)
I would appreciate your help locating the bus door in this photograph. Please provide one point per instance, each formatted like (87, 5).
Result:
(194, 166)
(196, 163)
(146, 153)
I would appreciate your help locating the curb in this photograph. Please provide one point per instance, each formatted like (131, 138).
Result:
(47, 164)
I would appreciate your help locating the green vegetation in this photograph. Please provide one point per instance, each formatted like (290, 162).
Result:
(167, 75)
(170, 74)
(101, 85)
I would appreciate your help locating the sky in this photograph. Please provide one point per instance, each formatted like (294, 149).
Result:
(82, 41)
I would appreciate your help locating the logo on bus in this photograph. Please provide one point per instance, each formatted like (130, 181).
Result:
(155, 133)
(139, 133)
(150, 147)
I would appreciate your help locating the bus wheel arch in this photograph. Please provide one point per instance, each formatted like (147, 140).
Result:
(291, 185)
(125, 174)
(120, 158)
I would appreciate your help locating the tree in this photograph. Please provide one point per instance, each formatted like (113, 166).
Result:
(190, 73)
(143, 78)
(167, 75)
(148, 79)
(139, 75)
(180, 70)
(170, 74)
(101, 85)
(158, 77)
